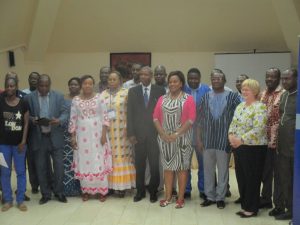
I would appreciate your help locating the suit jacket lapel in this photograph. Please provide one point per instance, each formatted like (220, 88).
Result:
(151, 93)
(36, 104)
(51, 104)
(141, 96)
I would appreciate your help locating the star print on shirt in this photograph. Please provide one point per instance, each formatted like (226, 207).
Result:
(18, 115)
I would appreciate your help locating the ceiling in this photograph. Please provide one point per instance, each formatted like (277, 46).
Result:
(155, 26)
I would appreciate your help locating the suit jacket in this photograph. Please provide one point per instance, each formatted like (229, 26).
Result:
(57, 109)
(139, 117)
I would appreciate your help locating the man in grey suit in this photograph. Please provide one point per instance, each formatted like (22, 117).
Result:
(142, 133)
(47, 114)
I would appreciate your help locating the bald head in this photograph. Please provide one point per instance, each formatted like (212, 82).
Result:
(160, 74)
(289, 80)
(33, 80)
(103, 75)
(135, 70)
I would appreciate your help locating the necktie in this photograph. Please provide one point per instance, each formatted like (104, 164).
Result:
(146, 96)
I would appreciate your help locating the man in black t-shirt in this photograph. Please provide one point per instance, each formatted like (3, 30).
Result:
(13, 134)
(19, 94)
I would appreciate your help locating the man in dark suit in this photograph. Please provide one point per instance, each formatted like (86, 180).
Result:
(47, 114)
(142, 133)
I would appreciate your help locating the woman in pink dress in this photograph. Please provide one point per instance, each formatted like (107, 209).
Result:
(88, 126)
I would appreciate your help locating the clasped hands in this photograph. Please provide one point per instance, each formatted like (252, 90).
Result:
(169, 137)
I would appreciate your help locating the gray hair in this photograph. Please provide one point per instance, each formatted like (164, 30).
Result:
(148, 69)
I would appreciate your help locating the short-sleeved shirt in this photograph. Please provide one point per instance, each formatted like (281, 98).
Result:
(12, 122)
(129, 84)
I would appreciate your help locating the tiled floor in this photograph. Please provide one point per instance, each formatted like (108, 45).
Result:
(117, 211)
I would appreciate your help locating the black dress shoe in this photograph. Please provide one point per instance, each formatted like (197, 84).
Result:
(61, 198)
(153, 197)
(207, 202)
(139, 197)
(243, 215)
(284, 216)
(220, 204)
(239, 213)
(267, 205)
(276, 212)
(238, 201)
(44, 200)
(187, 195)
(202, 195)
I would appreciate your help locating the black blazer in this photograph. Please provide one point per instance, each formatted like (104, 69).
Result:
(139, 117)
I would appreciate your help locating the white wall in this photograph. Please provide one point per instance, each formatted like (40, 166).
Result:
(23, 68)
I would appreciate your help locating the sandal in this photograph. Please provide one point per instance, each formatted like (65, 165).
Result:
(22, 207)
(85, 197)
(102, 198)
(179, 204)
(164, 202)
(6, 207)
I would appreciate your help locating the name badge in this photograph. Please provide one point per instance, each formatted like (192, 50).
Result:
(111, 114)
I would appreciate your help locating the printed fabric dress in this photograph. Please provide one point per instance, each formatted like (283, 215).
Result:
(175, 155)
(92, 162)
(123, 175)
(71, 185)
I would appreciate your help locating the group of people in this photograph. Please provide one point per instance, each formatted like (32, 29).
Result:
(106, 138)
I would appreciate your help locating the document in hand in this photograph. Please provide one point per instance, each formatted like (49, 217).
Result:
(43, 121)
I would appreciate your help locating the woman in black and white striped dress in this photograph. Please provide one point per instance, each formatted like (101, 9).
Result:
(173, 117)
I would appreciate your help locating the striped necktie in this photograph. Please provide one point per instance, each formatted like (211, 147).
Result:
(146, 97)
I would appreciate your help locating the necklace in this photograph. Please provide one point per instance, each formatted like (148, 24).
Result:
(176, 96)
